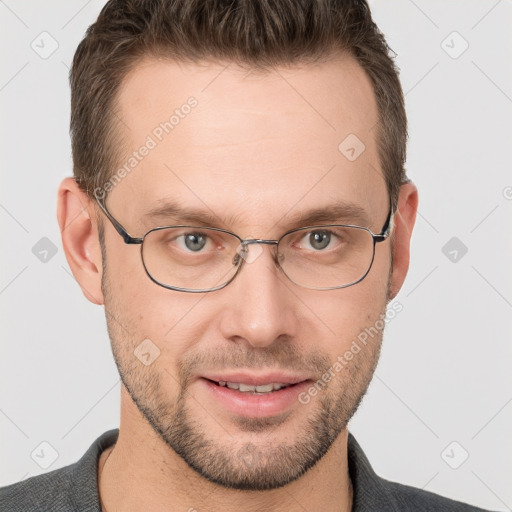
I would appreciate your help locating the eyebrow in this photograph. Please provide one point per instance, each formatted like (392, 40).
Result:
(339, 211)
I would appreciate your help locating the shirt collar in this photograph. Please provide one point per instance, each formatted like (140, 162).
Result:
(370, 491)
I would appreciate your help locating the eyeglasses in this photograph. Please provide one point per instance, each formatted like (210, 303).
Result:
(204, 259)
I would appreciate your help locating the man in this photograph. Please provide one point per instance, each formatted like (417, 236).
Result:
(240, 208)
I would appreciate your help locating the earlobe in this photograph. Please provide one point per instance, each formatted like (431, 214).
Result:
(79, 233)
(405, 218)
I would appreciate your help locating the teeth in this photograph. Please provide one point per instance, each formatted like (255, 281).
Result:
(247, 388)
(265, 388)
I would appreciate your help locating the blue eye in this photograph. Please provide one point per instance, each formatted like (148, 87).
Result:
(319, 239)
(194, 241)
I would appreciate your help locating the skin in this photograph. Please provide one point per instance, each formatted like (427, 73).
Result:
(257, 155)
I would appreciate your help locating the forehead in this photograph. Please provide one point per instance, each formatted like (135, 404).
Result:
(254, 145)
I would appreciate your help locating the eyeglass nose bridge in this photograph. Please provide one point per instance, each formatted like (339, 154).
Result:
(248, 241)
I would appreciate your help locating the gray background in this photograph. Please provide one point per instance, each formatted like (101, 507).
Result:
(444, 376)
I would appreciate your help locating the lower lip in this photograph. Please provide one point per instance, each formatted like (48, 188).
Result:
(255, 406)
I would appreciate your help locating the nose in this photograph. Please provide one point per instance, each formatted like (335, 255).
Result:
(258, 305)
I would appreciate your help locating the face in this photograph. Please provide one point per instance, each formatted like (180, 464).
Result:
(256, 152)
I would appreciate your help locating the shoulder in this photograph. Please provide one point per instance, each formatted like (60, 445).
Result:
(372, 492)
(50, 491)
(67, 489)
(412, 498)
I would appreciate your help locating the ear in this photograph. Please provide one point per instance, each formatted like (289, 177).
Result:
(405, 218)
(79, 233)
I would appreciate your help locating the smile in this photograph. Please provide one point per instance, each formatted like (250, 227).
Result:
(256, 390)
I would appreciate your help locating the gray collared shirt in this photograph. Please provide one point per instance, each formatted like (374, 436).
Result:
(75, 487)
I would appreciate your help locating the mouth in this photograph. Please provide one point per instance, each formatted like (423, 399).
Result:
(262, 389)
(254, 396)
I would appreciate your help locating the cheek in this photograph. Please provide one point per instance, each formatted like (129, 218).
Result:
(138, 309)
(347, 313)
(343, 314)
(174, 322)
(164, 316)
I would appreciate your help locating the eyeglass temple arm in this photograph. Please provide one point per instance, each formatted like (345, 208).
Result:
(387, 228)
(128, 239)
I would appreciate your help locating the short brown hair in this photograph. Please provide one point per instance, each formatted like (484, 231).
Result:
(254, 33)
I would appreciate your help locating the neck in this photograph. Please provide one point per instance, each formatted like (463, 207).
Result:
(142, 473)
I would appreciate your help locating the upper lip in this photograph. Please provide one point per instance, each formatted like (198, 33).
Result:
(252, 379)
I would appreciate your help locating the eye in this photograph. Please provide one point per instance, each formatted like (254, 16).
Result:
(194, 242)
(319, 239)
